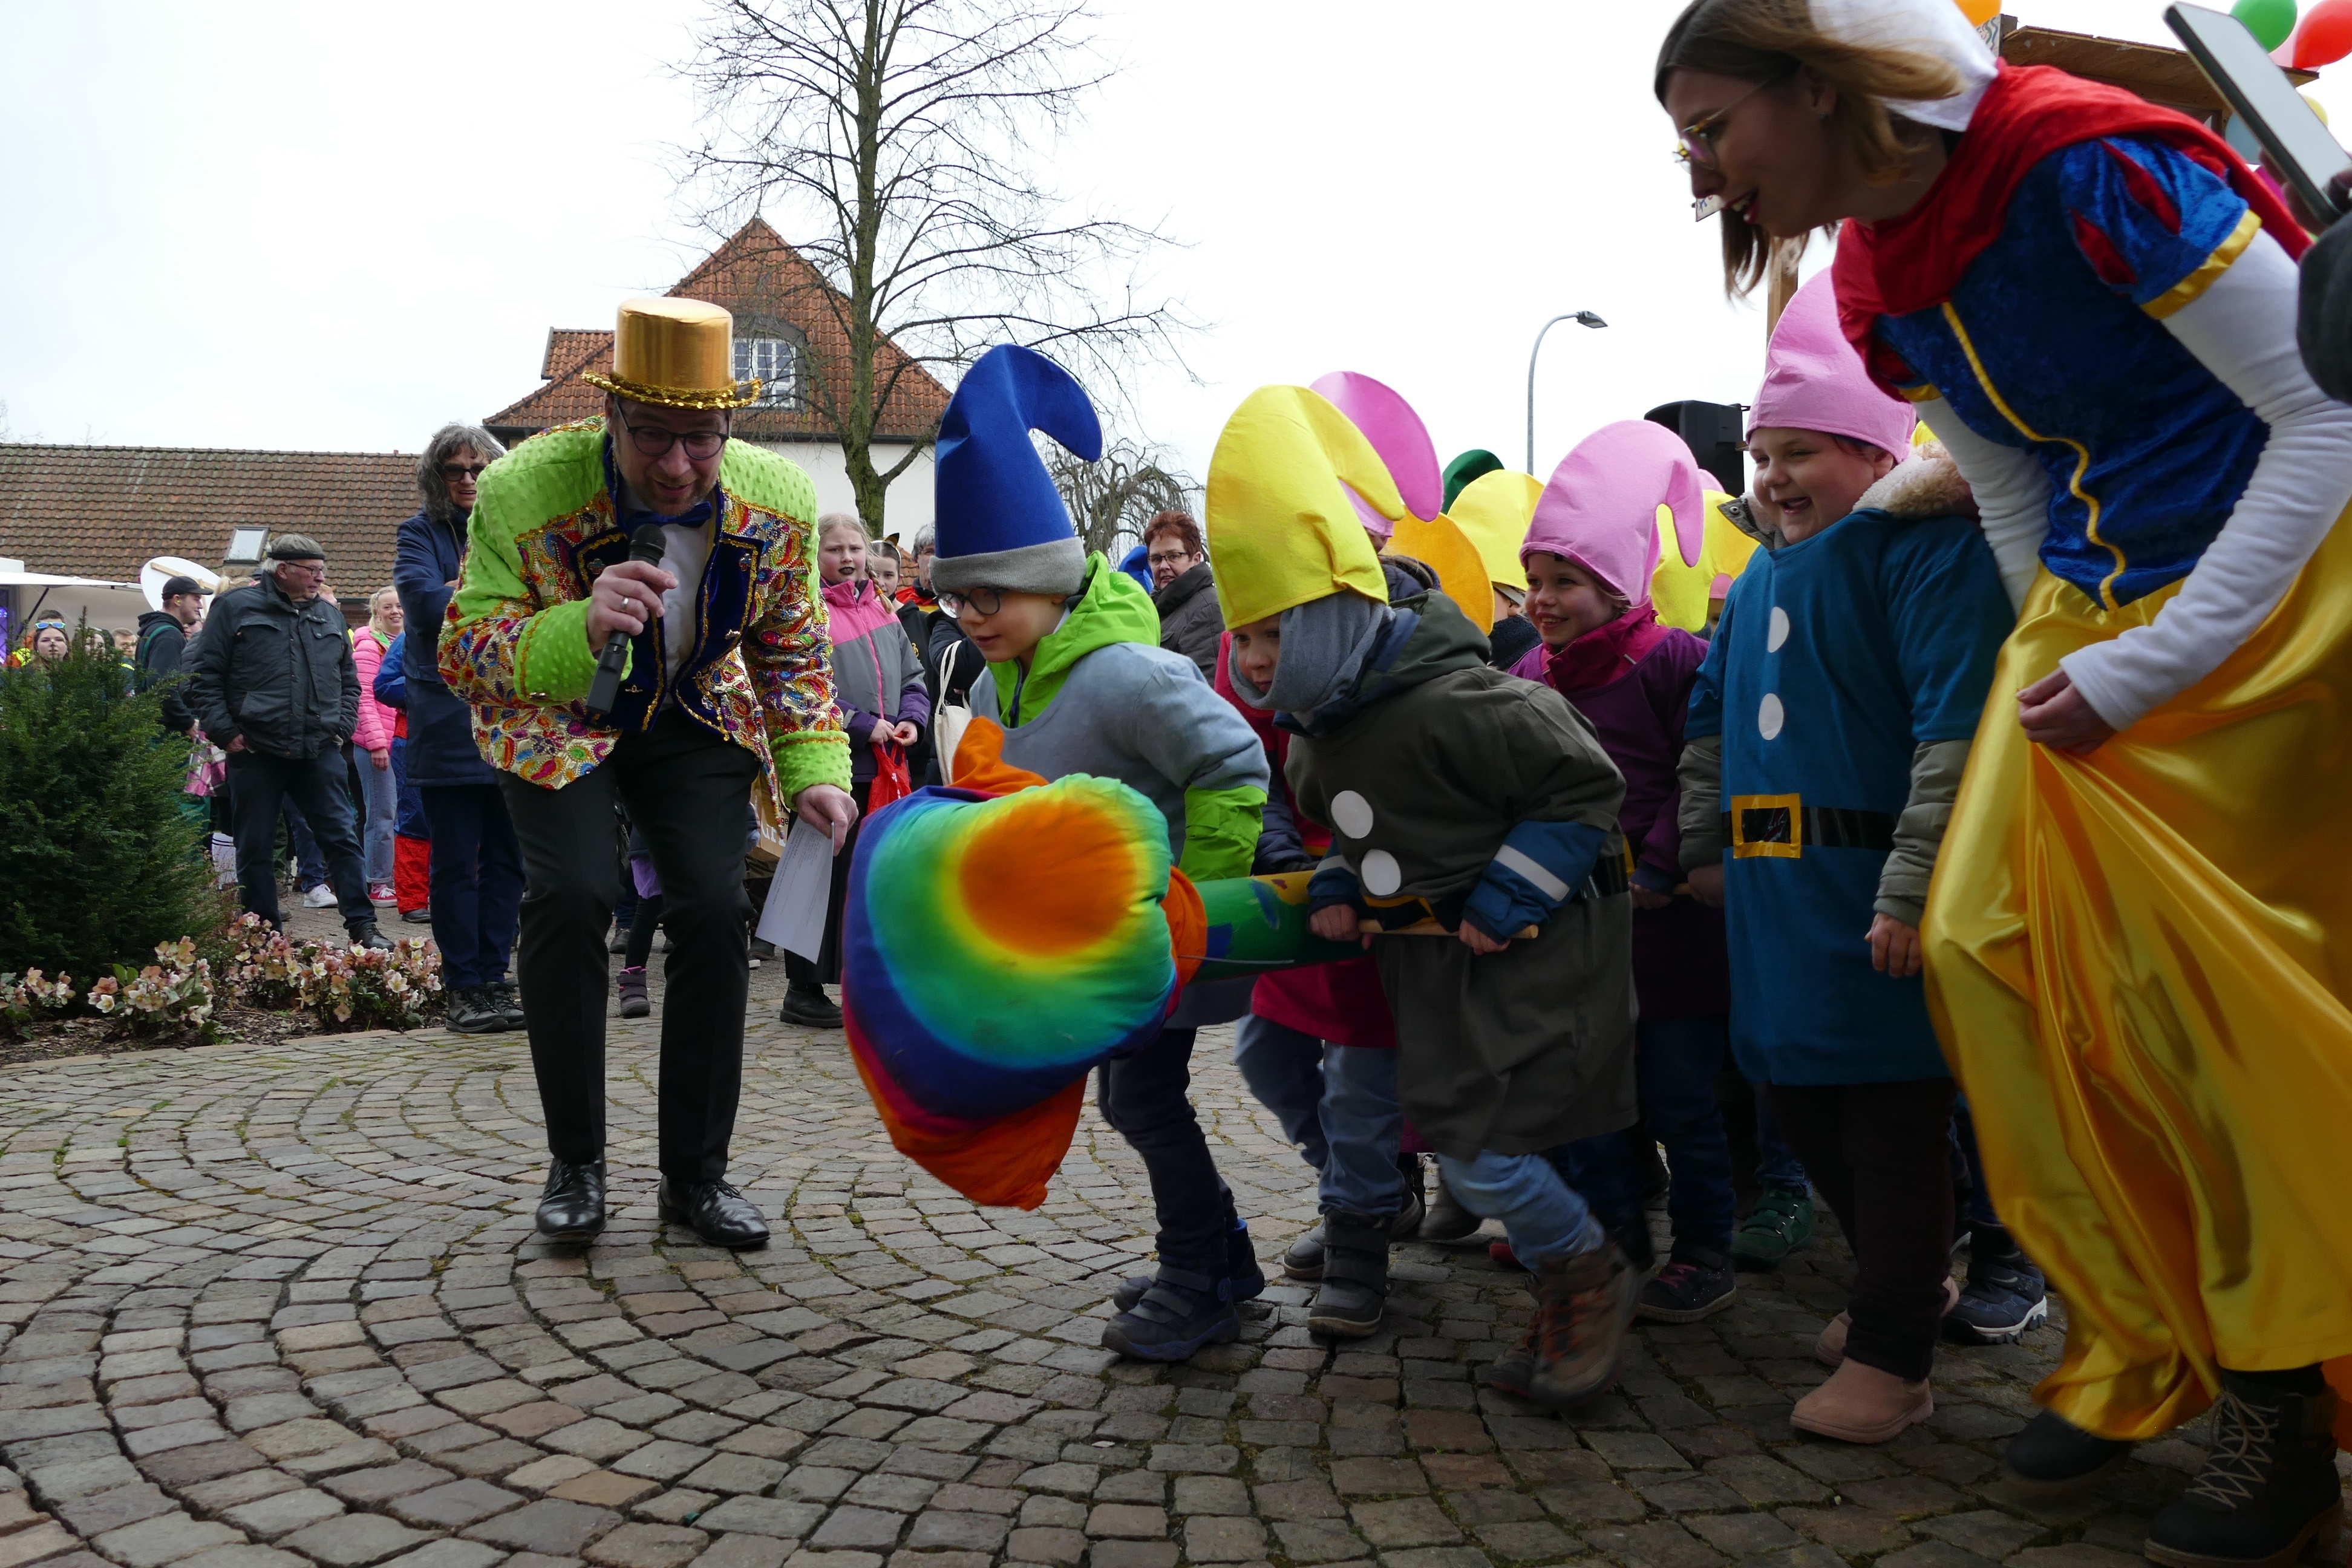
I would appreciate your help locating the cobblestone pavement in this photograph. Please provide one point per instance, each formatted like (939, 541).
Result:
(265, 1306)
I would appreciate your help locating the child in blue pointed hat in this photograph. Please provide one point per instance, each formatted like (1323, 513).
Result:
(1079, 684)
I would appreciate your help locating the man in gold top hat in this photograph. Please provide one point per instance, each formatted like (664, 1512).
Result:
(729, 688)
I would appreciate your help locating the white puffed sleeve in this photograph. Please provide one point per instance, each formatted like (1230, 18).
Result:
(2012, 491)
(2242, 329)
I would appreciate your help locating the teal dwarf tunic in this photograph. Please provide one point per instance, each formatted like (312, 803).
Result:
(1836, 660)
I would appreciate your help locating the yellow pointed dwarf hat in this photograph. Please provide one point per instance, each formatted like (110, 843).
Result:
(1281, 529)
(1494, 511)
(1440, 544)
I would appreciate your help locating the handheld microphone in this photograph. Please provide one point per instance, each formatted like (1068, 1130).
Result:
(646, 544)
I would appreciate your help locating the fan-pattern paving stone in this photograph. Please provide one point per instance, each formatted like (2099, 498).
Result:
(271, 1308)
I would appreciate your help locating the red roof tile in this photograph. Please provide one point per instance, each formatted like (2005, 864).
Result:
(103, 511)
(758, 277)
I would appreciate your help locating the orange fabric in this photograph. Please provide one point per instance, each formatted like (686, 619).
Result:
(1006, 1163)
(1188, 927)
(979, 765)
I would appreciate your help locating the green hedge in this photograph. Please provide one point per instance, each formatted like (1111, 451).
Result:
(97, 862)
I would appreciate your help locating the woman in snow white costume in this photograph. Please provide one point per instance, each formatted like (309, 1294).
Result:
(2139, 936)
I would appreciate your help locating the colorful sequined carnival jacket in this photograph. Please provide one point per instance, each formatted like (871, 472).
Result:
(515, 645)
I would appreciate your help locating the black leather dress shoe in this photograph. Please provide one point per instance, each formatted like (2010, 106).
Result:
(573, 1207)
(714, 1211)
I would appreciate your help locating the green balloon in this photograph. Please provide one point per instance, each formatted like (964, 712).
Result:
(2270, 21)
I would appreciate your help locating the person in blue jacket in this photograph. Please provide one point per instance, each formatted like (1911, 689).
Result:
(476, 862)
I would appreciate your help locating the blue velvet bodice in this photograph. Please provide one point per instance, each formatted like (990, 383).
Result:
(2054, 340)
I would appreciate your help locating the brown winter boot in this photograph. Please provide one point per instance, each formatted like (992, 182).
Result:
(1584, 1306)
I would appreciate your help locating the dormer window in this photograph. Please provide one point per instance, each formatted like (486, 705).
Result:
(776, 362)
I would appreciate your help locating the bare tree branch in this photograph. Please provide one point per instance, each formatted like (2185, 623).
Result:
(897, 143)
(1112, 498)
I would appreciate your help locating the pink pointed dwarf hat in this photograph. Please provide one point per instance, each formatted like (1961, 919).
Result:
(1608, 498)
(1814, 380)
(1397, 434)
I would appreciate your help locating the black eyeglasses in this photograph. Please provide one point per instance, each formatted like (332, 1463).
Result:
(461, 470)
(983, 601)
(653, 441)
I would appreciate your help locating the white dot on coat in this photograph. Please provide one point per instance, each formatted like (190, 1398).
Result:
(1382, 874)
(1770, 716)
(1351, 813)
(1778, 633)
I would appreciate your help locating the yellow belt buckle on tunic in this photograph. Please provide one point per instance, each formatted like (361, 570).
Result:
(1745, 849)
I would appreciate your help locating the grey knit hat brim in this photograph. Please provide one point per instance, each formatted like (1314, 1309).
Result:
(1056, 566)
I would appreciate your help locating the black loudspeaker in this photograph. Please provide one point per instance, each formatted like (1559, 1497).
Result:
(1713, 432)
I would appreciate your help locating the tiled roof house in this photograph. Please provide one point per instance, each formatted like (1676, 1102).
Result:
(104, 511)
(786, 334)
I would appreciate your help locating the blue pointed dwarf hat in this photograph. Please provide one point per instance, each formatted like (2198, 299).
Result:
(999, 521)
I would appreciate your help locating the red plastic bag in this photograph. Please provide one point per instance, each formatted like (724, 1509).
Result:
(891, 780)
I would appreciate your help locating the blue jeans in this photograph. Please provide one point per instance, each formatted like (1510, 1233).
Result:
(378, 803)
(1338, 1105)
(1545, 1220)
(1963, 1132)
(309, 865)
(1144, 1098)
(1674, 1064)
(1775, 1166)
(477, 882)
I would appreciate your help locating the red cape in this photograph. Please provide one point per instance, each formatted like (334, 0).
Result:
(1914, 262)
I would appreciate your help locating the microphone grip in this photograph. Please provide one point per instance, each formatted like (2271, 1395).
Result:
(646, 544)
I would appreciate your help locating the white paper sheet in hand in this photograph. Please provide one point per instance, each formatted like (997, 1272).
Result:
(794, 916)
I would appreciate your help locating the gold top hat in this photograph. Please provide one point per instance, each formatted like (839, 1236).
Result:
(678, 353)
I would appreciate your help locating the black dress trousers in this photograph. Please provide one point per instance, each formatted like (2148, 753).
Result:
(686, 787)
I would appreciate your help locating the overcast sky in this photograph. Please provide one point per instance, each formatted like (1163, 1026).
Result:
(333, 227)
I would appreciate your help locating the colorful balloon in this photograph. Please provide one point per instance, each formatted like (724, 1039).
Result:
(2324, 37)
(2270, 21)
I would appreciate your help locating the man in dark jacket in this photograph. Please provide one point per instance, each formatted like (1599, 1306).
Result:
(163, 644)
(272, 681)
(1182, 590)
(476, 861)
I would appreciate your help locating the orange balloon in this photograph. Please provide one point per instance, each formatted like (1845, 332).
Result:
(1980, 12)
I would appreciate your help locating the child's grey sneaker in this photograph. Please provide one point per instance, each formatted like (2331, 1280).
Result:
(2004, 1297)
(1698, 1283)
(1302, 1258)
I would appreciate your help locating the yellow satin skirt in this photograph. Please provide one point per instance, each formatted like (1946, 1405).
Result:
(2139, 964)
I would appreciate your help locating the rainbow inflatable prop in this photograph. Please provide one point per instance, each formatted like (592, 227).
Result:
(1005, 936)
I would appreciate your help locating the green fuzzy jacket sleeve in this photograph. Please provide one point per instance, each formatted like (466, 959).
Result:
(501, 647)
(1220, 828)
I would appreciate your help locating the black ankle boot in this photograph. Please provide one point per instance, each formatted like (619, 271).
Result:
(1354, 1289)
(2052, 1456)
(2269, 1485)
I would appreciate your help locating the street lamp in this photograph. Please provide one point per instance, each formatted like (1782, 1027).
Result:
(1582, 319)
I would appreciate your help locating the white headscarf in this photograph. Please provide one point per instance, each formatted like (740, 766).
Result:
(1934, 28)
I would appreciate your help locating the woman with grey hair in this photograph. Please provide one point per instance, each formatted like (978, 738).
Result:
(477, 864)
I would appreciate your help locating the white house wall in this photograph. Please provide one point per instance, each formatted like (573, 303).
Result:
(907, 507)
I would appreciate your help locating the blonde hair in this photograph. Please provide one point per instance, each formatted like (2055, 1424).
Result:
(1769, 41)
(832, 522)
